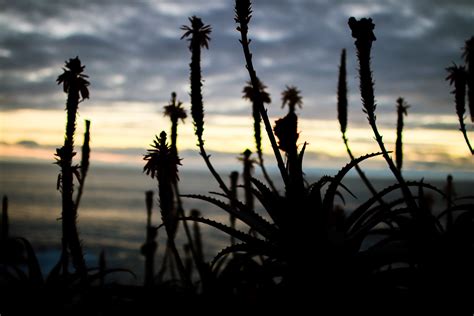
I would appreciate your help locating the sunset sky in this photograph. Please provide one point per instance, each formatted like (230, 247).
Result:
(135, 59)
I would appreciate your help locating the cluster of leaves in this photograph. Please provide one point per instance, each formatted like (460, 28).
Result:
(305, 239)
(300, 248)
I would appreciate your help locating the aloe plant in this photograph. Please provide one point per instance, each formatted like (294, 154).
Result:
(198, 34)
(175, 111)
(162, 163)
(468, 55)
(150, 245)
(458, 77)
(249, 94)
(342, 105)
(402, 108)
(286, 130)
(76, 86)
(363, 33)
(243, 14)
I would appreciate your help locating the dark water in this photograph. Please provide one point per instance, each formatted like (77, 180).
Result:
(112, 212)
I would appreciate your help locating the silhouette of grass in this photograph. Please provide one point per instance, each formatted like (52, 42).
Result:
(298, 248)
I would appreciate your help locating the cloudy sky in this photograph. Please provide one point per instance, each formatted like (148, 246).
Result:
(135, 59)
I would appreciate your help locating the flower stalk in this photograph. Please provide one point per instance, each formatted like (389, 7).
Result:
(402, 108)
(243, 14)
(162, 163)
(458, 77)
(363, 32)
(342, 105)
(249, 94)
(75, 85)
(198, 34)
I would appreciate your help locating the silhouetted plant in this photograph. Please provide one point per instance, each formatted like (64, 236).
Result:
(162, 163)
(234, 178)
(247, 176)
(75, 85)
(342, 105)
(150, 245)
(175, 111)
(342, 102)
(307, 251)
(249, 94)
(402, 108)
(243, 14)
(286, 130)
(458, 77)
(450, 193)
(468, 55)
(199, 37)
(84, 167)
(363, 32)
(291, 97)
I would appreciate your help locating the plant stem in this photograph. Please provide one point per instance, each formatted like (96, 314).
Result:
(466, 138)
(258, 100)
(69, 211)
(359, 170)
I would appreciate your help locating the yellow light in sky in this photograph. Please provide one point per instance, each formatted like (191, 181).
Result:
(133, 125)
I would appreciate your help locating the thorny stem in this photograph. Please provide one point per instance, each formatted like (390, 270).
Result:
(199, 37)
(458, 77)
(342, 118)
(364, 38)
(69, 212)
(244, 41)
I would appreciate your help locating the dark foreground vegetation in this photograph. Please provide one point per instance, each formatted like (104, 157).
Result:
(392, 254)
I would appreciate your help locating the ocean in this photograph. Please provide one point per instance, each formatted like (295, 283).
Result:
(112, 214)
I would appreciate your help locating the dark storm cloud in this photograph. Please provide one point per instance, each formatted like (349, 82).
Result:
(133, 52)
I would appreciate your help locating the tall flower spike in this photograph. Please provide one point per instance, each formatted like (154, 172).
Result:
(342, 94)
(75, 85)
(458, 77)
(402, 108)
(249, 94)
(468, 55)
(163, 162)
(199, 37)
(363, 32)
(243, 14)
(175, 111)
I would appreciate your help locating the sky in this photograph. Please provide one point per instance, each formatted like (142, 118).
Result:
(135, 59)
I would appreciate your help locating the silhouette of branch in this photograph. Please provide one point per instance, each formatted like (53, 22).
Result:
(243, 14)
